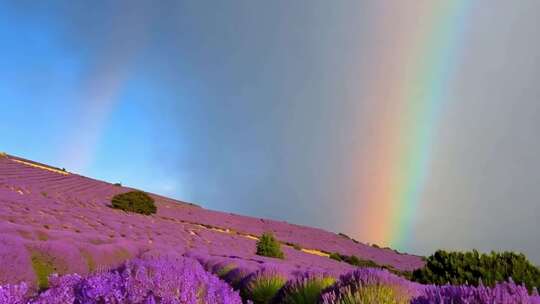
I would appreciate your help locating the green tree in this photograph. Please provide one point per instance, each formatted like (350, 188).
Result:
(134, 201)
(269, 246)
(472, 268)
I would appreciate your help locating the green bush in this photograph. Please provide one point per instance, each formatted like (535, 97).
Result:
(268, 246)
(304, 290)
(336, 256)
(472, 267)
(353, 260)
(134, 201)
(223, 270)
(294, 245)
(374, 294)
(262, 287)
(43, 266)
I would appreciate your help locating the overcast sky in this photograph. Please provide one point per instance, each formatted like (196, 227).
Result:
(259, 109)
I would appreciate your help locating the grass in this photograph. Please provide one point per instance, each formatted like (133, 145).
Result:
(305, 291)
(43, 266)
(262, 288)
(375, 294)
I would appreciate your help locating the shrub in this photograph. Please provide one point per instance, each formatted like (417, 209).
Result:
(268, 246)
(305, 289)
(336, 256)
(370, 286)
(348, 237)
(472, 268)
(262, 286)
(354, 260)
(222, 269)
(294, 245)
(134, 201)
(236, 276)
(374, 294)
(344, 235)
(43, 267)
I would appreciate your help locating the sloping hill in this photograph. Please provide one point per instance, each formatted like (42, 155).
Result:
(53, 220)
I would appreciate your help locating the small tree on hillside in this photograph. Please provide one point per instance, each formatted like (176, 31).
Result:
(134, 201)
(268, 246)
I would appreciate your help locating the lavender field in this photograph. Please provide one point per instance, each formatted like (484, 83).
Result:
(61, 242)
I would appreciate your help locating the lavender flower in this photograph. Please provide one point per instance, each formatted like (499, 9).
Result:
(14, 294)
(369, 285)
(166, 280)
(502, 293)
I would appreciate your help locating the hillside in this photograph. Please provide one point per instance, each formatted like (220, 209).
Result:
(53, 218)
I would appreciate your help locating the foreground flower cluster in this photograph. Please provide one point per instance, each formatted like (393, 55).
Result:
(504, 293)
(278, 285)
(183, 280)
(164, 280)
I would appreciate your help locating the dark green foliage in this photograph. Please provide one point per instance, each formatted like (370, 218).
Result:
(221, 272)
(353, 260)
(269, 246)
(134, 201)
(336, 256)
(262, 287)
(303, 290)
(344, 235)
(472, 268)
(44, 265)
(294, 245)
(118, 184)
(356, 261)
(402, 273)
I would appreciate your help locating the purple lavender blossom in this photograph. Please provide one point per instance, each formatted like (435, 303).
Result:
(14, 294)
(502, 293)
(166, 280)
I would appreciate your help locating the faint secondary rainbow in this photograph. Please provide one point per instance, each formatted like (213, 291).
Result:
(418, 52)
(103, 82)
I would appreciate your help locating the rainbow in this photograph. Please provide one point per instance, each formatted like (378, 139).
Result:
(103, 81)
(418, 53)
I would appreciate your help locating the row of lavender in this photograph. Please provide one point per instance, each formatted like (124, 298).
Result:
(361, 286)
(176, 279)
(79, 204)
